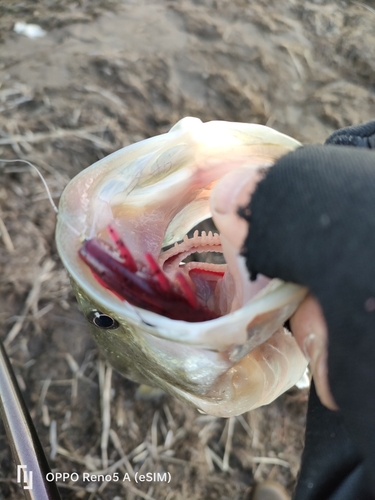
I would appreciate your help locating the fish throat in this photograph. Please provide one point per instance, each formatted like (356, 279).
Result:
(188, 291)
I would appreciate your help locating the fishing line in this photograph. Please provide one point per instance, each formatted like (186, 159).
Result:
(41, 177)
(49, 195)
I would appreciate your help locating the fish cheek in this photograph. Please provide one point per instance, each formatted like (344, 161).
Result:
(110, 340)
(127, 349)
(111, 344)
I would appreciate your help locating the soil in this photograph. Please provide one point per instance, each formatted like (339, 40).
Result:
(108, 74)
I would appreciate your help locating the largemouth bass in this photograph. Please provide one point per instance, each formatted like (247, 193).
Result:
(203, 332)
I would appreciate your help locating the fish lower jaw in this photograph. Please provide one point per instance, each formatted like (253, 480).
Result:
(255, 380)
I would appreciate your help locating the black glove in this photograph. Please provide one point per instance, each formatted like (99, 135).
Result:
(360, 136)
(312, 221)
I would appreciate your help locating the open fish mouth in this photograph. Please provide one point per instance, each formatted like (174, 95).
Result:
(202, 331)
(168, 288)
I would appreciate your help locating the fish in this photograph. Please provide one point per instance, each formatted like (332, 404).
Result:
(201, 331)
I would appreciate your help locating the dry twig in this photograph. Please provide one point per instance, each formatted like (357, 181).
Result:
(31, 301)
(105, 377)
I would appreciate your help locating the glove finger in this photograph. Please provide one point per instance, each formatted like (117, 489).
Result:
(360, 136)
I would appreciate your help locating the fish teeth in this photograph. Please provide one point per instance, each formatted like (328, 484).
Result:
(196, 233)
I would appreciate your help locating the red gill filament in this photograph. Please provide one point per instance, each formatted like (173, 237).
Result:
(144, 286)
(158, 273)
(187, 290)
(122, 249)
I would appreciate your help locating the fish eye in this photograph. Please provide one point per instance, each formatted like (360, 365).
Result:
(102, 320)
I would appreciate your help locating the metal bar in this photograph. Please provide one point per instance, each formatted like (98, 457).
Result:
(23, 438)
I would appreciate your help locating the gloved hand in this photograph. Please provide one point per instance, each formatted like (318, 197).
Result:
(311, 220)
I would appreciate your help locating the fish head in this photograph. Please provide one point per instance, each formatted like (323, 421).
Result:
(203, 332)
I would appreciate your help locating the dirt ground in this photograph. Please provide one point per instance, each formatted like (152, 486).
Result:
(108, 74)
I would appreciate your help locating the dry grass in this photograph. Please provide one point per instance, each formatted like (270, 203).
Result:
(243, 61)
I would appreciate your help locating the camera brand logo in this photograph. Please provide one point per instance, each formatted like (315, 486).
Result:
(25, 477)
